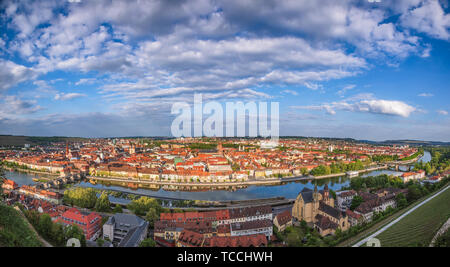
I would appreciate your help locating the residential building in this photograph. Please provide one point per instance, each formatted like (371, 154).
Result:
(88, 222)
(344, 199)
(252, 227)
(283, 220)
(125, 230)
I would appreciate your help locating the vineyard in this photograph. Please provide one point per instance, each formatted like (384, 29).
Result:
(419, 227)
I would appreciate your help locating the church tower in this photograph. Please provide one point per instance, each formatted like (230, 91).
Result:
(315, 194)
(67, 149)
(326, 193)
(220, 148)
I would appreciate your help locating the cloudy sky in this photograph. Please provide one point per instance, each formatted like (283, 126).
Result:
(344, 68)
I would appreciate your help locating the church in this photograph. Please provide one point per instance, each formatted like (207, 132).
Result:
(317, 209)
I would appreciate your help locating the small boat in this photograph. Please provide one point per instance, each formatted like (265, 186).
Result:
(352, 173)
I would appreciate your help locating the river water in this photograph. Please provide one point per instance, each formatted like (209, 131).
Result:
(287, 190)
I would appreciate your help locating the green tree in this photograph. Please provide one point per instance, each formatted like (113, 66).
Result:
(321, 170)
(401, 200)
(100, 242)
(148, 243)
(142, 205)
(443, 240)
(58, 234)
(304, 171)
(81, 197)
(357, 200)
(73, 231)
(414, 192)
(45, 226)
(102, 204)
(152, 216)
(118, 209)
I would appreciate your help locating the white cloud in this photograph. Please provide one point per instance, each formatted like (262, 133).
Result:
(144, 53)
(12, 74)
(425, 95)
(287, 91)
(388, 107)
(345, 89)
(13, 105)
(375, 106)
(429, 18)
(442, 112)
(68, 96)
(86, 81)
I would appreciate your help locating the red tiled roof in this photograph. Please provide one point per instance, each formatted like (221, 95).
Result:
(284, 217)
(258, 240)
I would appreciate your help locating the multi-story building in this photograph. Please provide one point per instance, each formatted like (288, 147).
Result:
(125, 230)
(88, 222)
(248, 214)
(253, 227)
(344, 199)
(283, 220)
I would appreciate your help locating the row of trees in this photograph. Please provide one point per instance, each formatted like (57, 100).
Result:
(55, 233)
(337, 168)
(413, 156)
(87, 198)
(148, 207)
(375, 182)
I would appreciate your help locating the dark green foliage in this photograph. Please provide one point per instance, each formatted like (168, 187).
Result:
(102, 204)
(148, 243)
(357, 200)
(443, 240)
(14, 230)
(142, 206)
(81, 197)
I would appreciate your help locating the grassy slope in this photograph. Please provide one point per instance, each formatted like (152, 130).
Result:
(419, 227)
(14, 231)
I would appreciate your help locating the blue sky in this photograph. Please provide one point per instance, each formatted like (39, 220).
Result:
(345, 68)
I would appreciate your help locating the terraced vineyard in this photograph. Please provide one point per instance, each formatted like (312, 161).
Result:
(419, 227)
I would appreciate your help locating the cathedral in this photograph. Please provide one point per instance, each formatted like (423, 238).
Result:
(317, 209)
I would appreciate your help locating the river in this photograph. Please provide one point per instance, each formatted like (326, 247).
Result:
(287, 190)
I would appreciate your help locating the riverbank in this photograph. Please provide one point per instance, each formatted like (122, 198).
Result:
(344, 174)
(30, 171)
(269, 181)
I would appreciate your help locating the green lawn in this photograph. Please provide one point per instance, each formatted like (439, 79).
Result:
(419, 227)
(14, 231)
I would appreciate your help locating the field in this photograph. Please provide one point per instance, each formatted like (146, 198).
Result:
(419, 227)
(14, 231)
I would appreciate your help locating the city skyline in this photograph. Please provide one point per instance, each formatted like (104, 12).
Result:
(356, 69)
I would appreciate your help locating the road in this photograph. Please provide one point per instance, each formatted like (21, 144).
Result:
(360, 243)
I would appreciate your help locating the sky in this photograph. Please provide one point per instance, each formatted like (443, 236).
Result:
(355, 69)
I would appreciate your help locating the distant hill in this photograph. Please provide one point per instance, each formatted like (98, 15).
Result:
(12, 140)
(416, 142)
(15, 140)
